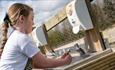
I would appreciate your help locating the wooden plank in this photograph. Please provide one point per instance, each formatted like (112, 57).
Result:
(93, 36)
(47, 47)
(80, 64)
(59, 17)
(102, 60)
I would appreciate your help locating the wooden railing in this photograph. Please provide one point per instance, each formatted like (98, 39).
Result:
(102, 61)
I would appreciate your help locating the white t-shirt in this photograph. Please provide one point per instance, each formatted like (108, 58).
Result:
(18, 49)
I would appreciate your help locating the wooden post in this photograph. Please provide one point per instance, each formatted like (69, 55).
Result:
(48, 46)
(93, 36)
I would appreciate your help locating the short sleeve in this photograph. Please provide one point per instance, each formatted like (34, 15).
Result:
(28, 47)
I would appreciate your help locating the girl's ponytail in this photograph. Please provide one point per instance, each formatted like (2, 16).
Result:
(4, 28)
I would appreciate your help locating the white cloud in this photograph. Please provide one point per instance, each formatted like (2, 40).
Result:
(44, 9)
(48, 5)
(45, 16)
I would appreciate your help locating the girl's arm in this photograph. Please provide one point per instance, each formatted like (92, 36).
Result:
(40, 61)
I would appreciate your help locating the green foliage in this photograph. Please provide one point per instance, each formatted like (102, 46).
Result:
(109, 10)
(104, 18)
(57, 38)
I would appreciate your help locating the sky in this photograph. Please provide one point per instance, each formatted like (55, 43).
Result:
(43, 9)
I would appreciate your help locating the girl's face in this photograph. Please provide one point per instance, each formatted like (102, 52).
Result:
(29, 22)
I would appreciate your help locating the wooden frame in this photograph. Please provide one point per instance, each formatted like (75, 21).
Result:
(93, 37)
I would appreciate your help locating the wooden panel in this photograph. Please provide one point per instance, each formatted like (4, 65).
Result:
(59, 17)
(93, 36)
(100, 63)
(106, 62)
(82, 63)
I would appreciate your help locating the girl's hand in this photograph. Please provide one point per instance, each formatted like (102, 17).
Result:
(65, 54)
(67, 57)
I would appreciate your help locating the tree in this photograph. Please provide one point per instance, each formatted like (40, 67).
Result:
(109, 10)
(100, 13)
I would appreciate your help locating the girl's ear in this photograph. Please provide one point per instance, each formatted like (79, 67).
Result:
(21, 18)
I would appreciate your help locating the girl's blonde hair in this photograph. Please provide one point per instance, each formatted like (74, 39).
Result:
(11, 17)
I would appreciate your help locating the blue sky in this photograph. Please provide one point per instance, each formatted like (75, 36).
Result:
(43, 9)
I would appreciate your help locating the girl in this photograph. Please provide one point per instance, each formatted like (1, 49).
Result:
(19, 47)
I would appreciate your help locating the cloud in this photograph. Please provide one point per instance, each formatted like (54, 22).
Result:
(48, 8)
(43, 9)
(48, 5)
(45, 17)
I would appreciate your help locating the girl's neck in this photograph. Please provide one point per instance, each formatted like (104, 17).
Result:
(22, 30)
